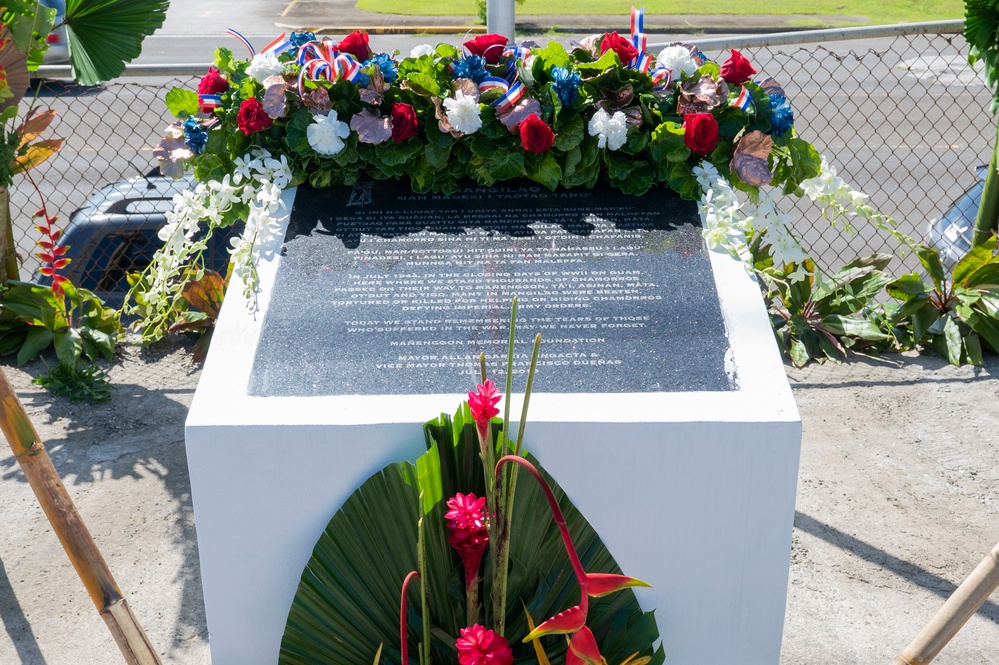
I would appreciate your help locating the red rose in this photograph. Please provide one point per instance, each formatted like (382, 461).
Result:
(212, 83)
(252, 117)
(489, 47)
(623, 47)
(404, 122)
(737, 69)
(535, 134)
(700, 132)
(356, 44)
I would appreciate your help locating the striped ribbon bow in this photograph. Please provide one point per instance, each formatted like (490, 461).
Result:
(511, 92)
(322, 60)
(744, 101)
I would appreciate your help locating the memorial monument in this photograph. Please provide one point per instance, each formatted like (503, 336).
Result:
(660, 372)
(393, 207)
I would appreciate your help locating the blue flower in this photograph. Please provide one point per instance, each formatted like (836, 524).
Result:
(195, 136)
(471, 67)
(566, 84)
(386, 64)
(781, 115)
(362, 79)
(300, 39)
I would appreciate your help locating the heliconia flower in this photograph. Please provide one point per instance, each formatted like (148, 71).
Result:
(584, 647)
(601, 584)
(565, 622)
(481, 646)
(483, 405)
(467, 532)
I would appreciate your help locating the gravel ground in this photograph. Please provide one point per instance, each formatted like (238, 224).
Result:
(897, 503)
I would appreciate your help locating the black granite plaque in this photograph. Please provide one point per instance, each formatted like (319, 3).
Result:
(383, 291)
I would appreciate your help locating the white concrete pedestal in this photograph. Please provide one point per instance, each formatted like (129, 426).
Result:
(693, 492)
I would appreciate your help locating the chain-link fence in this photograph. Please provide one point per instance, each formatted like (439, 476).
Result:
(902, 116)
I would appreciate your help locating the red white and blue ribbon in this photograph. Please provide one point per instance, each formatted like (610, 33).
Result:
(209, 102)
(511, 93)
(744, 101)
(278, 45)
(517, 52)
(661, 77)
(322, 50)
(246, 42)
(642, 63)
(321, 60)
(638, 38)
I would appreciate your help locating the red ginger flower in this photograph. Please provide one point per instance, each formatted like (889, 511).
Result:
(483, 405)
(481, 646)
(467, 533)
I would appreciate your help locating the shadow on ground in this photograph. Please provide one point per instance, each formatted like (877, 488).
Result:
(139, 434)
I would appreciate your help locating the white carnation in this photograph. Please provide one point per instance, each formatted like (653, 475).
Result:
(326, 134)
(611, 130)
(463, 113)
(421, 49)
(677, 59)
(264, 65)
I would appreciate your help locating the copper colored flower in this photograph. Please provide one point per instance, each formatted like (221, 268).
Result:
(467, 532)
(481, 646)
(701, 96)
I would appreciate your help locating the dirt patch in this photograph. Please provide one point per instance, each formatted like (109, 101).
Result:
(897, 501)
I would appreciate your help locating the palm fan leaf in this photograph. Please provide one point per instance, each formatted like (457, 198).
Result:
(105, 34)
(347, 603)
(14, 65)
(981, 30)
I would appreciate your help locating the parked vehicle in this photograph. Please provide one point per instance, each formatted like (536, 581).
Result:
(952, 233)
(115, 233)
(58, 51)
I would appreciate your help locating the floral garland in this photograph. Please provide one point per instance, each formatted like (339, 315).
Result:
(334, 112)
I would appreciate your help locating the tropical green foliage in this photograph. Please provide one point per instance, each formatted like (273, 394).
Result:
(347, 603)
(822, 318)
(958, 315)
(33, 318)
(105, 34)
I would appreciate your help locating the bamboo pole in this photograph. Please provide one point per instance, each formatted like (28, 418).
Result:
(956, 611)
(72, 532)
(8, 252)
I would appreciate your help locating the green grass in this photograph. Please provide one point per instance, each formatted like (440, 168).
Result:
(877, 12)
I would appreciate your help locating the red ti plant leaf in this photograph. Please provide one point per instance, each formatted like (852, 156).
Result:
(584, 646)
(601, 584)
(35, 155)
(33, 127)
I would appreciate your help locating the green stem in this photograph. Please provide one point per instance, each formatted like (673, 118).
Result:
(988, 210)
(472, 603)
(511, 489)
(422, 562)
